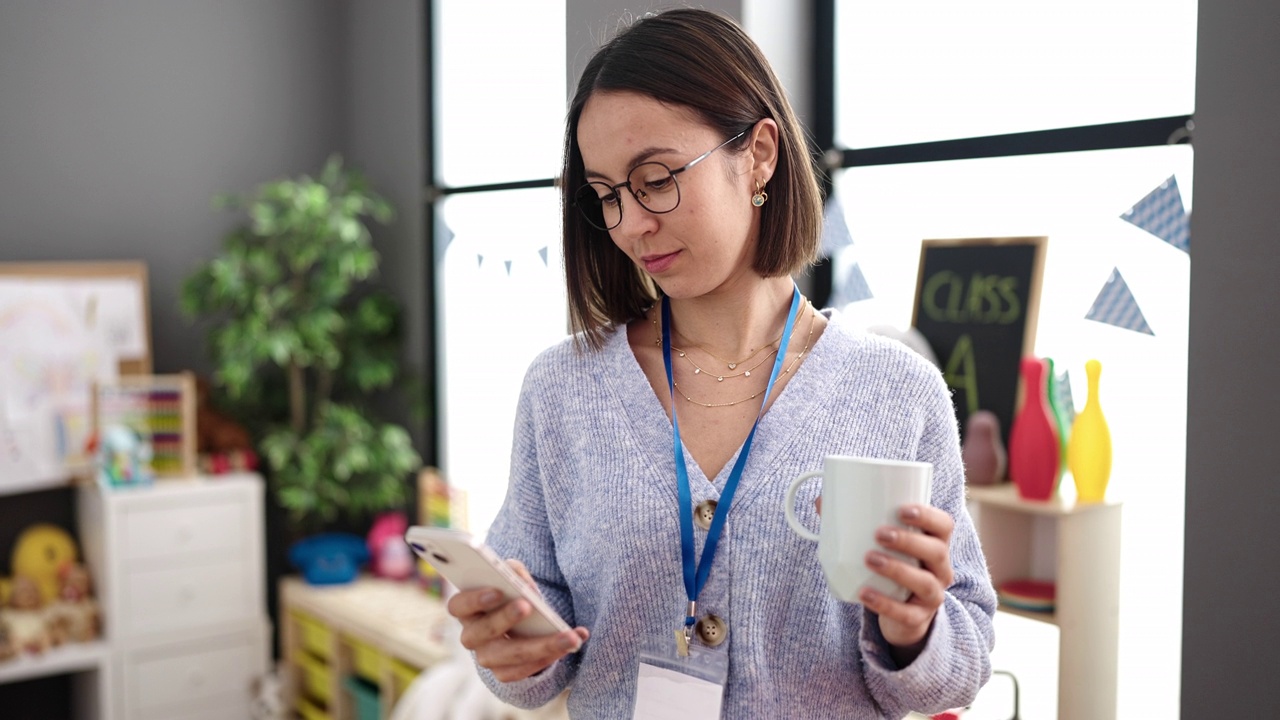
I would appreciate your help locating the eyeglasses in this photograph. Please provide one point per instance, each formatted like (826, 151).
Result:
(652, 184)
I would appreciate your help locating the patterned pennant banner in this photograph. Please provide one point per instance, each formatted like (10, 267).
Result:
(835, 231)
(1162, 214)
(542, 252)
(443, 239)
(508, 264)
(850, 288)
(1116, 305)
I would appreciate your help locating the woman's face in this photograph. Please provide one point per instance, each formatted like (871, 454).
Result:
(708, 241)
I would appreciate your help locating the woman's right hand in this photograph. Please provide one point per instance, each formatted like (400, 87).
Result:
(487, 620)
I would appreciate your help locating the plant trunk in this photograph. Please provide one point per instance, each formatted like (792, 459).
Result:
(324, 388)
(297, 398)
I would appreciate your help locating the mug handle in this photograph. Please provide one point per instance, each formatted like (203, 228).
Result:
(790, 506)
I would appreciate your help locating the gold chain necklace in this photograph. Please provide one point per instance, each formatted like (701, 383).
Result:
(699, 370)
(733, 365)
(808, 338)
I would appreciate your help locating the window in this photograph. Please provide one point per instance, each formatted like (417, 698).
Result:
(499, 296)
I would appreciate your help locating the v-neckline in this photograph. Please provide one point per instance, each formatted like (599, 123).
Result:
(653, 429)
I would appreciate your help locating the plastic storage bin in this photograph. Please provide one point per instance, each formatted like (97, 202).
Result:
(364, 699)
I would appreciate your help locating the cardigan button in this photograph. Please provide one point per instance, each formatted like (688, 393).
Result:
(704, 514)
(712, 630)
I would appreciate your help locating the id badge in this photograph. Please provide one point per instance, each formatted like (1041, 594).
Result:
(669, 686)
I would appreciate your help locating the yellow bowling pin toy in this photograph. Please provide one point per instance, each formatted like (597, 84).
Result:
(1089, 448)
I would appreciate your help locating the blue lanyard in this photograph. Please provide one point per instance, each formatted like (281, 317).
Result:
(695, 576)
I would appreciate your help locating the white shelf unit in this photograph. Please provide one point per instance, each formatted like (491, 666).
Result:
(179, 573)
(70, 658)
(1084, 541)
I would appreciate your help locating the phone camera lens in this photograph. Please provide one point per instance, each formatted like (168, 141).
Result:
(440, 557)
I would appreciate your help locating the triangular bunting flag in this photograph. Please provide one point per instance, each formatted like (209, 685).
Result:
(542, 252)
(442, 242)
(1162, 214)
(508, 264)
(835, 231)
(851, 288)
(479, 260)
(1116, 305)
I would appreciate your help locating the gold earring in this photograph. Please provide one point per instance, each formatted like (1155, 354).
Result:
(760, 196)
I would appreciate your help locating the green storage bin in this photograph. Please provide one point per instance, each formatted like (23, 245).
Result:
(365, 698)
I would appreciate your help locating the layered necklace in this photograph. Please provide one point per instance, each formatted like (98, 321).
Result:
(774, 348)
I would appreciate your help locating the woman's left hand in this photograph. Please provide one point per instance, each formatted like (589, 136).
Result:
(906, 624)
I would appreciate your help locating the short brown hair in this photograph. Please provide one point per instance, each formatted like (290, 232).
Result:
(706, 63)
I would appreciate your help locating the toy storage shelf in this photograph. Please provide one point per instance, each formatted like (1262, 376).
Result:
(69, 658)
(1085, 567)
(382, 631)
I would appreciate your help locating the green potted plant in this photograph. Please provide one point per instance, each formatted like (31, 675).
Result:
(301, 340)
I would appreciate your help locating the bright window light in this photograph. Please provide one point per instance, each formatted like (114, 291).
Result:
(909, 72)
(500, 90)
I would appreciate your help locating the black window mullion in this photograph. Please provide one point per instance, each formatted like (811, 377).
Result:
(1110, 136)
(430, 379)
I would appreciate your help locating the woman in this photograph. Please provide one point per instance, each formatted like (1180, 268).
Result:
(689, 200)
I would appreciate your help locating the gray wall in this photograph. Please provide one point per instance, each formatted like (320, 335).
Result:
(384, 135)
(1231, 615)
(119, 121)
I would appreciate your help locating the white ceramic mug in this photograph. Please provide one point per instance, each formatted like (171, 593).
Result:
(860, 495)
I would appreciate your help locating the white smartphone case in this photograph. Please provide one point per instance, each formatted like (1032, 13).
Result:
(469, 564)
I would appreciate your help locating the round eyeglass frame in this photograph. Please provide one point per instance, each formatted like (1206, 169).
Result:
(593, 201)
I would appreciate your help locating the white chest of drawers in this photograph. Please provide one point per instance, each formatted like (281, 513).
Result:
(179, 569)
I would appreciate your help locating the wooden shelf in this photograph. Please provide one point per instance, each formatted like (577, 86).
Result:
(397, 616)
(69, 658)
(1006, 495)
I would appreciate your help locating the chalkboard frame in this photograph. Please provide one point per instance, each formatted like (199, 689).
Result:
(1039, 245)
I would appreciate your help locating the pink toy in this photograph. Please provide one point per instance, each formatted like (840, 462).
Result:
(390, 556)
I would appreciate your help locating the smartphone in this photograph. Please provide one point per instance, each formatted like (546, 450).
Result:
(469, 564)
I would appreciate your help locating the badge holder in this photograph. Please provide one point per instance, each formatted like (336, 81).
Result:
(665, 681)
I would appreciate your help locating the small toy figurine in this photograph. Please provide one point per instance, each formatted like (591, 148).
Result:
(74, 616)
(223, 445)
(25, 617)
(123, 457)
(985, 459)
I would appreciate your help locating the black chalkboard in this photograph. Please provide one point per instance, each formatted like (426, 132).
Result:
(976, 303)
